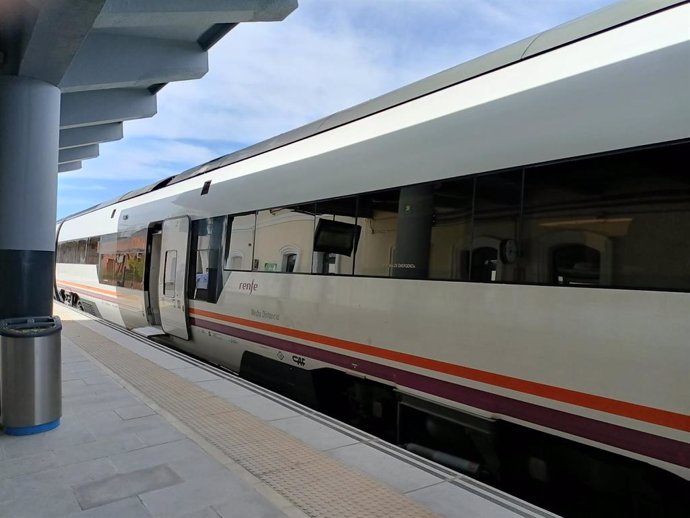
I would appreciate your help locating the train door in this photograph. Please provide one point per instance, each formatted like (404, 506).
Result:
(172, 277)
(56, 292)
(153, 261)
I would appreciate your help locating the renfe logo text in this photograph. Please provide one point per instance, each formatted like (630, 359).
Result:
(248, 286)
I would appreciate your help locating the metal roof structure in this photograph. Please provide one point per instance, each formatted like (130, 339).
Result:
(109, 58)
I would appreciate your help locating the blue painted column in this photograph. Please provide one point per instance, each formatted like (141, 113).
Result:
(29, 135)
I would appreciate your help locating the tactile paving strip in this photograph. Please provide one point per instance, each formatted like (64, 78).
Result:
(317, 484)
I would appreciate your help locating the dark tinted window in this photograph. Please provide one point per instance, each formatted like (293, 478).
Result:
(337, 236)
(377, 214)
(451, 233)
(67, 252)
(622, 220)
(92, 250)
(206, 275)
(496, 219)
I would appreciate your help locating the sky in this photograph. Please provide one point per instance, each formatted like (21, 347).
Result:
(328, 55)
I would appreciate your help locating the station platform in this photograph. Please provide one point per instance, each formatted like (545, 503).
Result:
(147, 431)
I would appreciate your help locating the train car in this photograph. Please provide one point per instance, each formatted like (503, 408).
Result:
(490, 266)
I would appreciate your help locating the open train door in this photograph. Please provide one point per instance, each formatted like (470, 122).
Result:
(172, 277)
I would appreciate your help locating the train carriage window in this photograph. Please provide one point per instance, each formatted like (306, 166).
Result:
(618, 220)
(496, 252)
(575, 265)
(451, 230)
(107, 262)
(377, 214)
(131, 247)
(235, 260)
(81, 252)
(170, 273)
(484, 263)
(289, 262)
(120, 259)
(92, 250)
(281, 233)
(410, 254)
(239, 247)
(336, 237)
(206, 274)
(69, 252)
(61, 249)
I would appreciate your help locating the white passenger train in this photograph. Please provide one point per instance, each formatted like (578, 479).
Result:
(492, 263)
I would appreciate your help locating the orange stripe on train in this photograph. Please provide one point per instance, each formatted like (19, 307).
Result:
(612, 406)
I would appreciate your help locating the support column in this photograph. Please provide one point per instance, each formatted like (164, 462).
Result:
(29, 134)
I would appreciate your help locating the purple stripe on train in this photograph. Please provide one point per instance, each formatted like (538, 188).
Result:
(662, 448)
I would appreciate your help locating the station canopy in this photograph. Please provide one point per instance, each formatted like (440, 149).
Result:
(109, 58)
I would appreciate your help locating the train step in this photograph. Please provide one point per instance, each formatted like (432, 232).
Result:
(149, 331)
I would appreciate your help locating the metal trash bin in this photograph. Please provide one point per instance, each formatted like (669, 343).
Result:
(30, 374)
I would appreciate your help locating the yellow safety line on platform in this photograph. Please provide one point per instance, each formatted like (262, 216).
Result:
(317, 484)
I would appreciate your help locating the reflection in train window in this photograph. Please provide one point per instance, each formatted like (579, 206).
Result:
(497, 205)
(377, 214)
(67, 252)
(410, 253)
(289, 261)
(575, 264)
(239, 247)
(92, 250)
(131, 247)
(236, 260)
(120, 259)
(336, 237)
(107, 252)
(483, 264)
(619, 220)
(169, 273)
(81, 252)
(281, 233)
(205, 272)
(452, 229)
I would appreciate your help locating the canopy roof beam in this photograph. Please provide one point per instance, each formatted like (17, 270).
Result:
(75, 137)
(133, 62)
(77, 154)
(155, 13)
(104, 106)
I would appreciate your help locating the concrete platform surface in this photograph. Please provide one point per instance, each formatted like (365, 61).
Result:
(149, 432)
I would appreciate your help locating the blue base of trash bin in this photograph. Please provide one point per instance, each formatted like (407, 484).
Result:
(29, 430)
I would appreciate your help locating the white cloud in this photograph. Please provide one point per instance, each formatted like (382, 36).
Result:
(329, 55)
(268, 78)
(81, 187)
(141, 159)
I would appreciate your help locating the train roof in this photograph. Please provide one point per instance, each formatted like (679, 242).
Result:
(586, 26)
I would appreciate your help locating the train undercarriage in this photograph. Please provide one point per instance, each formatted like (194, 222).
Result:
(569, 478)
